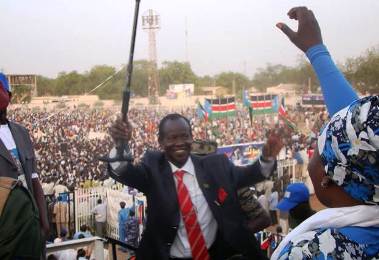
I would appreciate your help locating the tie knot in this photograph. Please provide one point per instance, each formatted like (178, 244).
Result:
(179, 174)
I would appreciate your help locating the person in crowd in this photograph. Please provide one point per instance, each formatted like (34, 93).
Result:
(62, 236)
(343, 169)
(23, 218)
(100, 212)
(299, 163)
(84, 253)
(84, 232)
(61, 214)
(296, 202)
(59, 188)
(273, 203)
(132, 231)
(186, 192)
(123, 215)
(263, 200)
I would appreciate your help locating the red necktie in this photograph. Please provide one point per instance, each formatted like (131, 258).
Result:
(195, 236)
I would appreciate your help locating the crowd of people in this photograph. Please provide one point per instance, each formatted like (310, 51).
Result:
(68, 142)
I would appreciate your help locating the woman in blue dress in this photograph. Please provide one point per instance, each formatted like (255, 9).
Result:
(345, 166)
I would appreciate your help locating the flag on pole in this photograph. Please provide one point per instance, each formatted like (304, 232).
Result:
(247, 103)
(202, 112)
(222, 107)
(262, 104)
(282, 112)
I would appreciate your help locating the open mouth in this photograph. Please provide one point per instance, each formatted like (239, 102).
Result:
(180, 152)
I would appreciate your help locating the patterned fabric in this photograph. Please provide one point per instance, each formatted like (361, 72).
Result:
(249, 204)
(349, 146)
(342, 243)
(132, 231)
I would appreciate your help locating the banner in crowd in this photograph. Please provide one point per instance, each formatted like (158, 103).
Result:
(241, 154)
(261, 104)
(114, 197)
(221, 107)
(312, 100)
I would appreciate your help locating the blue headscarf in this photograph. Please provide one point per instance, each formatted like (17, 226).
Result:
(349, 146)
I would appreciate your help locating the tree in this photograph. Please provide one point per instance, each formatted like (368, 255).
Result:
(205, 81)
(175, 72)
(21, 93)
(45, 86)
(273, 75)
(69, 84)
(226, 80)
(363, 71)
(96, 76)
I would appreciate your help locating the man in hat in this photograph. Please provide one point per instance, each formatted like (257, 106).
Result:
(296, 202)
(23, 218)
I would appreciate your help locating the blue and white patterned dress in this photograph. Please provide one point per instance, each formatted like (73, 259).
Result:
(334, 243)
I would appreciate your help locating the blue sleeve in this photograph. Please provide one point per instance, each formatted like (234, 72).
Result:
(337, 91)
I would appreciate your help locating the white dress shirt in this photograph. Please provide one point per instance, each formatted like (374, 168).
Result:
(181, 247)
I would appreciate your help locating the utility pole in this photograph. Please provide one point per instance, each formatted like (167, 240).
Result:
(151, 24)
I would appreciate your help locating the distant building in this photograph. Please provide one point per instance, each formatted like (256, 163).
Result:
(214, 91)
(287, 90)
(253, 90)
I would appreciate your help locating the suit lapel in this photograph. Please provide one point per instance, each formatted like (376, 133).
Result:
(5, 153)
(207, 185)
(169, 181)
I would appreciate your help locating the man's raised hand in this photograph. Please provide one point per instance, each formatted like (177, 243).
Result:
(308, 33)
(121, 131)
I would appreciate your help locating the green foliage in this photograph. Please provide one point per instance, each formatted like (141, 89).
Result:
(205, 81)
(227, 79)
(363, 71)
(274, 75)
(175, 72)
(45, 86)
(21, 94)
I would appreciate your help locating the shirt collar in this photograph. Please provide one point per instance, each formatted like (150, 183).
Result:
(187, 167)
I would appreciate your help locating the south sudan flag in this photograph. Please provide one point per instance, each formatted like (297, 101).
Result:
(222, 107)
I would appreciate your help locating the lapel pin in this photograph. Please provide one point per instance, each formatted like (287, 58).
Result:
(216, 202)
(206, 185)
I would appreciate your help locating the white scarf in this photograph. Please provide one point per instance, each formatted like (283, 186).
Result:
(358, 216)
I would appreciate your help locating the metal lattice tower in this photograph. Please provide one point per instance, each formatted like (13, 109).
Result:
(151, 24)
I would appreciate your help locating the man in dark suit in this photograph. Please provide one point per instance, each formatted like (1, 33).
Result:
(193, 208)
(23, 221)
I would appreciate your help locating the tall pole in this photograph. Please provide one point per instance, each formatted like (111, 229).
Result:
(151, 24)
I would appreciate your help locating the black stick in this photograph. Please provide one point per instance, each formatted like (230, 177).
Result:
(129, 71)
(122, 148)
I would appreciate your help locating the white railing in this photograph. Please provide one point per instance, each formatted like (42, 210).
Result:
(96, 244)
(86, 200)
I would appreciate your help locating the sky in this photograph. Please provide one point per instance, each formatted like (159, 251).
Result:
(50, 36)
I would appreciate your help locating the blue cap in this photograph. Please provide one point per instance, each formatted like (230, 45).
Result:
(295, 194)
(4, 82)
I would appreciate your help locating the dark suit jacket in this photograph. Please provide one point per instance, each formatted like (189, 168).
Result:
(154, 178)
(26, 153)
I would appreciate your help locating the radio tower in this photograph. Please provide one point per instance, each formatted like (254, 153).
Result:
(151, 24)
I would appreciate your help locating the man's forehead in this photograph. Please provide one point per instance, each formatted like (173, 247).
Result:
(172, 124)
